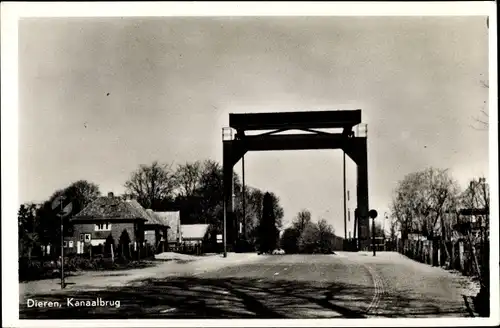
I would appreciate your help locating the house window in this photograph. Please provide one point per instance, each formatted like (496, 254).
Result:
(65, 244)
(103, 227)
(349, 216)
(70, 244)
(82, 236)
(87, 237)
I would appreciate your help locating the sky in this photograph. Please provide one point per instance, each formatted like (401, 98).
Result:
(98, 97)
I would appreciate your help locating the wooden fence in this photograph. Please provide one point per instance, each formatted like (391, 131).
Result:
(470, 259)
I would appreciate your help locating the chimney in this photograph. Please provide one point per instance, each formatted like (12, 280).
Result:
(110, 194)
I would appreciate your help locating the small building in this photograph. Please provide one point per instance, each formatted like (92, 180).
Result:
(171, 219)
(156, 231)
(107, 216)
(194, 234)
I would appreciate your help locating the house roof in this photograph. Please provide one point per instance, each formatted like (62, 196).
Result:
(152, 218)
(171, 219)
(194, 231)
(167, 219)
(113, 208)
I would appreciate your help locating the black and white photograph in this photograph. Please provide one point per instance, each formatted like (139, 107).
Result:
(218, 163)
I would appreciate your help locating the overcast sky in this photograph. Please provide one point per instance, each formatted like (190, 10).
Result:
(173, 81)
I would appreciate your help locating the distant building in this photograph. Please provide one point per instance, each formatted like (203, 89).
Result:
(173, 220)
(195, 234)
(156, 231)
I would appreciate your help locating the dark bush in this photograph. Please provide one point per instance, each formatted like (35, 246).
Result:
(243, 246)
(37, 269)
(289, 241)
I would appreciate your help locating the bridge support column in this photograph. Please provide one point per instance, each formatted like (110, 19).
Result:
(357, 151)
(227, 176)
(362, 200)
(233, 151)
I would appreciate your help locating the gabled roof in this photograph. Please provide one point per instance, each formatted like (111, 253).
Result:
(171, 219)
(194, 231)
(112, 208)
(162, 218)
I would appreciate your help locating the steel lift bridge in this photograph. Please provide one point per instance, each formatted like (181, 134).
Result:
(245, 139)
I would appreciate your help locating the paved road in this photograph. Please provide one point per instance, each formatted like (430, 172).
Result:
(346, 285)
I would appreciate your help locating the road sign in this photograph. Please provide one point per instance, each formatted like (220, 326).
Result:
(57, 202)
(63, 208)
(67, 210)
(219, 239)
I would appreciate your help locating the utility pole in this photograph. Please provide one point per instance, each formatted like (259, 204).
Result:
(61, 214)
(235, 229)
(373, 236)
(373, 214)
(244, 198)
(386, 217)
(224, 234)
(345, 203)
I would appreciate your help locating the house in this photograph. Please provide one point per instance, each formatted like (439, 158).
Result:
(104, 217)
(171, 219)
(473, 221)
(156, 231)
(194, 234)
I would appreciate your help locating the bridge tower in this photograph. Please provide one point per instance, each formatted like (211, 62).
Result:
(354, 145)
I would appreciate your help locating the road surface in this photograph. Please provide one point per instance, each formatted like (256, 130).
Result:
(345, 285)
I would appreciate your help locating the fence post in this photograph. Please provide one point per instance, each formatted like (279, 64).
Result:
(452, 260)
(431, 252)
(461, 255)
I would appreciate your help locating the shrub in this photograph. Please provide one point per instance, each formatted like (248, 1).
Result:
(36, 269)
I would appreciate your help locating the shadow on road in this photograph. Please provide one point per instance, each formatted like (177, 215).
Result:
(202, 298)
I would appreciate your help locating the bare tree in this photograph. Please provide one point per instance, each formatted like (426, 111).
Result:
(324, 227)
(477, 195)
(81, 193)
(442, 193)
(379, 231)
(403, 206)
(253, 210)
(308, 241)
(188, 177)
(150, 184)
(302, 220)
(422, 199)
(326, 234)
(393, 229)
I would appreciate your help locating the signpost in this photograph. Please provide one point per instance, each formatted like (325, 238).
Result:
(373, 214)
(64, 211)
